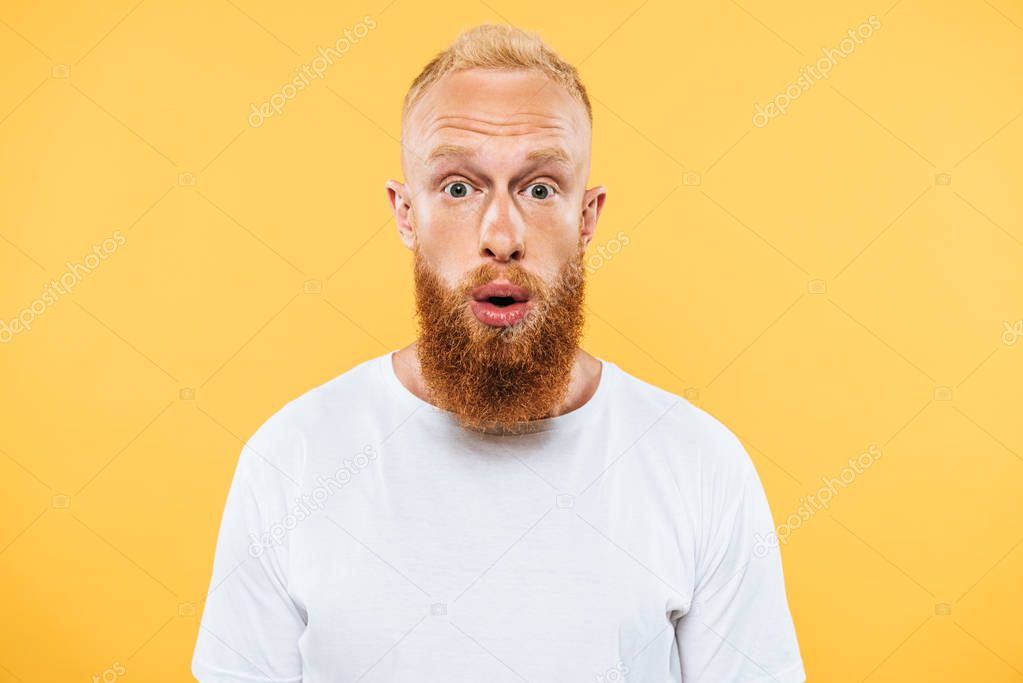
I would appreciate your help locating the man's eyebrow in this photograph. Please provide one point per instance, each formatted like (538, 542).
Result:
(554, 154)
(450, 150)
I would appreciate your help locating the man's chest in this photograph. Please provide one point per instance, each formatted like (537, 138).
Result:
(499, 579)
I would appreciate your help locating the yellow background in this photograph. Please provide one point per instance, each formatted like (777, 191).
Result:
(846, 276)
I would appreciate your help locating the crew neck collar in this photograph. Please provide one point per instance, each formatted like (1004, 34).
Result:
(384, 366)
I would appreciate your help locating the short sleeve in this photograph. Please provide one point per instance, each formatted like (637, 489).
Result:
(739, 628)
(250, 624)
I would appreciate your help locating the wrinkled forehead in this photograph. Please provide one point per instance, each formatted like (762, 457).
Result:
(500, 115)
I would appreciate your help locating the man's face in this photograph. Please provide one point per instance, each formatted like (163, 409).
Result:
(491, 202)
(496, 212)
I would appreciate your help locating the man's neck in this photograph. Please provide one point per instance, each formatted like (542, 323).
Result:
(585, 377)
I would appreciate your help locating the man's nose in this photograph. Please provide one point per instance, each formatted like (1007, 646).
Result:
(502, 233)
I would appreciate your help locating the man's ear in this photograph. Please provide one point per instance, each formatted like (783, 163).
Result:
(593, 202)
(397, 195)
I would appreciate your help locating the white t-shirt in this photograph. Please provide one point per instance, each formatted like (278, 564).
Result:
(367, 537)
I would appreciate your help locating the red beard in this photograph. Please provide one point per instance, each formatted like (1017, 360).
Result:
(496, 378)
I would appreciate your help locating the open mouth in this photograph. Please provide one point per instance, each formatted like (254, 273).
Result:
(500, 304)
(501, 301)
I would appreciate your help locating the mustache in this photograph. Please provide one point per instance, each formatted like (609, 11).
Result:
(515, 273)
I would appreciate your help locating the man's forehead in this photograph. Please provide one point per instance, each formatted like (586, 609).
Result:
(526, 107)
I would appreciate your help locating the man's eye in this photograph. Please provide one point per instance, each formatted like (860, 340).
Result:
(541, 191)
(457, 189)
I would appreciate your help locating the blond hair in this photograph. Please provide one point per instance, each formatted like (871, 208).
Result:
(497, 46)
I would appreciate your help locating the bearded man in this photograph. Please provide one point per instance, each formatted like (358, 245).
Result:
(491, 502)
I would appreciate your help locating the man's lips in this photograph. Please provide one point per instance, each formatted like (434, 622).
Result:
(499, 289)
(500, 304)
(499, 316)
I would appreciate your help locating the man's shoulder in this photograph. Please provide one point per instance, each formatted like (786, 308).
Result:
(692, 428)
(343, 391)
(329, 402)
